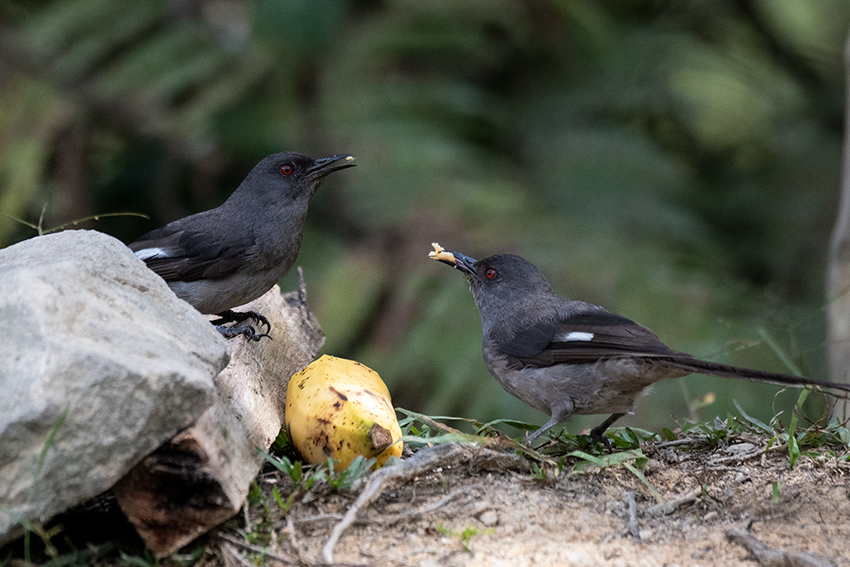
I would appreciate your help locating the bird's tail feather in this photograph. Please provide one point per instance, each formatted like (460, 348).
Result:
(726, 371)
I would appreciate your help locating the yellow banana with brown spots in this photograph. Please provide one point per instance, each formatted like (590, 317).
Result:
(341, 408)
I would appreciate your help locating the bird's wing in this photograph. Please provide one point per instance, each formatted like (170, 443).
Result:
(588, 337)
(584, 338)
(177, 254)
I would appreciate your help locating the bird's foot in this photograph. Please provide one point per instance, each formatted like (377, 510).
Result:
(246, 331)
(597, 435)
(237, 317)
(231, 316)
(597, 432)
(530, 439)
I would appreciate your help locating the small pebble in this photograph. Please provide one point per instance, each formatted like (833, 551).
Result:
(489, 518)
(740, 448)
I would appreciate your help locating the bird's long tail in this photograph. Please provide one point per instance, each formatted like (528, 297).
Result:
(836, 390)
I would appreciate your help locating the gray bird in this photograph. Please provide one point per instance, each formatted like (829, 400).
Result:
(225, 257)
(567, 357)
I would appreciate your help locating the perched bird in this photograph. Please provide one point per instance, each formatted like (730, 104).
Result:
(225, 257)
(567, 357)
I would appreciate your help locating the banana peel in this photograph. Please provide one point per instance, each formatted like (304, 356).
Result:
(340, 409)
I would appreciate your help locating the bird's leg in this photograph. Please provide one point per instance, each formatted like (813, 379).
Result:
(597, 432)
(560, 414)
(238, 317)
(231, 316)
(546, 427)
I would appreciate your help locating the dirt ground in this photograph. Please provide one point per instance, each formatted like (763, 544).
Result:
(476, 509)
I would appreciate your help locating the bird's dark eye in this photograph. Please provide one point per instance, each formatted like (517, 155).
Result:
(490, 273)
(286, 169)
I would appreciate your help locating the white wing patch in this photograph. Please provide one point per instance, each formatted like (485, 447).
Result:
(576, 336)
(148, 253)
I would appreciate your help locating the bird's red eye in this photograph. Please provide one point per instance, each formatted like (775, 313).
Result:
(490, 273)
(286, 169)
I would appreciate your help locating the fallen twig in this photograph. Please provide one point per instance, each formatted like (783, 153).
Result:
(425, 460)
(418, 512)
(676, 443)
(293, 543)
(254, 549)
(232, 556)
(317, 518)
(633, 527)
(748, 456)
(774, 557)
(437, 425)
(282, 560)
(670, 506)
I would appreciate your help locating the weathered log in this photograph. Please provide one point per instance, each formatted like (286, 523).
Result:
(202, 476)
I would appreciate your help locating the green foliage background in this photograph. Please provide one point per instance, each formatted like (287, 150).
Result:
(675, 161)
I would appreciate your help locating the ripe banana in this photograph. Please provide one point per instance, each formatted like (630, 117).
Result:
(340, 408)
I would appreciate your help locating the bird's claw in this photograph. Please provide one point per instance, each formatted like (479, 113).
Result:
(598, 437)
(263, 321)
(246, 331)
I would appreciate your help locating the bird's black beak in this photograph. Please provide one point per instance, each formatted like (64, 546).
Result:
(460, 261)
(328, 165)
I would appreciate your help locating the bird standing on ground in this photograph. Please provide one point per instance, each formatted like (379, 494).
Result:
(225, 257)
(567, 357)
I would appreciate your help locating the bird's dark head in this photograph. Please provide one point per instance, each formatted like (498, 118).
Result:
(290, 174)
(501, 284)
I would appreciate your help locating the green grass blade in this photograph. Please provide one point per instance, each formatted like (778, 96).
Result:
(646, 483)
(752, 420)
(793, 445)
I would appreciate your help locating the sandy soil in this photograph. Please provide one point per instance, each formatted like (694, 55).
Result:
(479, 511)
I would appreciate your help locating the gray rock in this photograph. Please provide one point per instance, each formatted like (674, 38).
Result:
(214, 463)
(101, 364)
